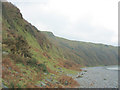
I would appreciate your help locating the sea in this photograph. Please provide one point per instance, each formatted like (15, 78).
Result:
(113, 67)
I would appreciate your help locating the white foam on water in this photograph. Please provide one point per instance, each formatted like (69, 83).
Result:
(113, 68)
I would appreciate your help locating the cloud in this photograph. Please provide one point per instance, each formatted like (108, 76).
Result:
(82, 20)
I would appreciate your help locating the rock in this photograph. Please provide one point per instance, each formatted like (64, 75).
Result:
(45, 73)
(59, 68)
(60, 71)
(53, 75)
(49, 80)
(66, 82)
(38, 85)
(48, 84)
(82, 74)
(57, 83)
(5, 52)
(79, 76)
(91, 84)
(16, 72)
(3, 68)
(70, 75)
(105, 79)
(3, 86)
(43, 84)
(9, 68)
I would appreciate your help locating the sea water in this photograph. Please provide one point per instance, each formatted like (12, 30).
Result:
(115, 67)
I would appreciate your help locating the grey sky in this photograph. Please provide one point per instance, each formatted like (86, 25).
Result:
(83, 20)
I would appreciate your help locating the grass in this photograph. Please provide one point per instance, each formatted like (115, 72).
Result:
(48, 54)
(66, 80)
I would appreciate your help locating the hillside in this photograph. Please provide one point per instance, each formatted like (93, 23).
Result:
(84, 53)
(32, 58)
(29, 58)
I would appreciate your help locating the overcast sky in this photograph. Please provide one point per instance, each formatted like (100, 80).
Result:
(82, 20)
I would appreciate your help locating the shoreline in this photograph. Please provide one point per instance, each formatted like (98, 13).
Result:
(97, 77)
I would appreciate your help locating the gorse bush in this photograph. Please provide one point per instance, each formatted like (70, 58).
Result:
(20, 52)
(16, 57)
(31, 62)
(34, 63)
(18, 45)
(42, 67)
(28, 61)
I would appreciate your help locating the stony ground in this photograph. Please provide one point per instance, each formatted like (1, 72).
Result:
(98, 77)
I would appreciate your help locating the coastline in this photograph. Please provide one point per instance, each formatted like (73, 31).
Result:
(98, 77)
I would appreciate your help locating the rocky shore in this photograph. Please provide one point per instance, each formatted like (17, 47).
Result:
(97, 77)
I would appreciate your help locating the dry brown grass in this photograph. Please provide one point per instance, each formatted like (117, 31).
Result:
(70, 81)
(51, 71)
(46, 55)
(68, 64)
(13, 77)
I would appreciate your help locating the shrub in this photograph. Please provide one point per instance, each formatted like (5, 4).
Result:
(18, 45)
(18, 85)
(66, 80)
(31, 62)
(42, 67)
(16, 57)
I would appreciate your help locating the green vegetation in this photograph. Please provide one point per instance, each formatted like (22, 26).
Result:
(86, 54)
(32, 58)
(18, 45)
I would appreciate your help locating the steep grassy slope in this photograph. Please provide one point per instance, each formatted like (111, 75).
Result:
(86, 54)
(32, 58)
(29, 58)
